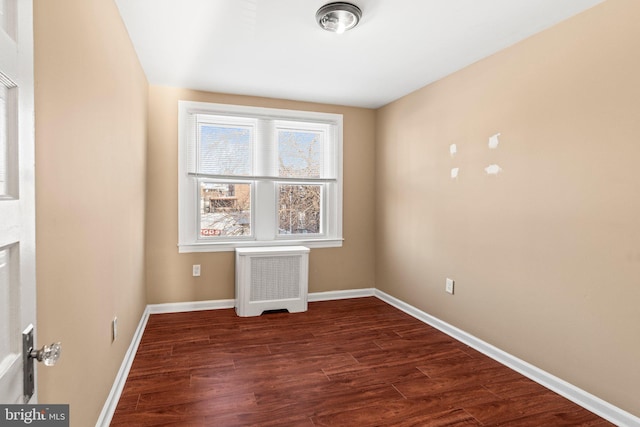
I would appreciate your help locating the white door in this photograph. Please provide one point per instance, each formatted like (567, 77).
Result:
(17, 192)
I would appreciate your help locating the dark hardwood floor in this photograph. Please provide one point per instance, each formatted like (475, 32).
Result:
(357, 362)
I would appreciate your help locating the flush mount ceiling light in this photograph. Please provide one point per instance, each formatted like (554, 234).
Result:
(338, 17)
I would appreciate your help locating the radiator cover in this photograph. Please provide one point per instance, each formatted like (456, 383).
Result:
(272, 278)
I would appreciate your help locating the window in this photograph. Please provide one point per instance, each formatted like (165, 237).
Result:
(253, 176)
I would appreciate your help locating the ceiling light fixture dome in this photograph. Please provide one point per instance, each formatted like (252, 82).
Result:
(338, 17)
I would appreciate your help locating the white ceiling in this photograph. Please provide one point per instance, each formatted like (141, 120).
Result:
(274, 48)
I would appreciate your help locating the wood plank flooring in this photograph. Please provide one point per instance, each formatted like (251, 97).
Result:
(357, 362)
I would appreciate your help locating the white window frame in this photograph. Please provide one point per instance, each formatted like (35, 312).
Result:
(264, 203)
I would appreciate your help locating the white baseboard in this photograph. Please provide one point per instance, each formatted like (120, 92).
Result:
(333, 295)
(586, 400)
(121, 378)
(178, 307)
(563, 388)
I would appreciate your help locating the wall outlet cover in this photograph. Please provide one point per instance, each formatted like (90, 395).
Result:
(114, 329)
(449, 286)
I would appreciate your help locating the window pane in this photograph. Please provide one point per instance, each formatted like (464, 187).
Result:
(225, 150)
(299, 209)
(300, 153)
(225, 209)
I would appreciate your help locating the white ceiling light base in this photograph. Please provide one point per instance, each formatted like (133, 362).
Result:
(338, 17)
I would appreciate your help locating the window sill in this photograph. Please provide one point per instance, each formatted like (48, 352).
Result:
(231, 246)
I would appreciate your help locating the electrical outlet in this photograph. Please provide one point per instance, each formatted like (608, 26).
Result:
(449, 286)
(114, 329)
(196, 270)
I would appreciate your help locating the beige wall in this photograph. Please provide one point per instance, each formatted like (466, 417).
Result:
(546, 255)
(169, 276)
(91, 109)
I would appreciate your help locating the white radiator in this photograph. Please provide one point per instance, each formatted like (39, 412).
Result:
(273, 278)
